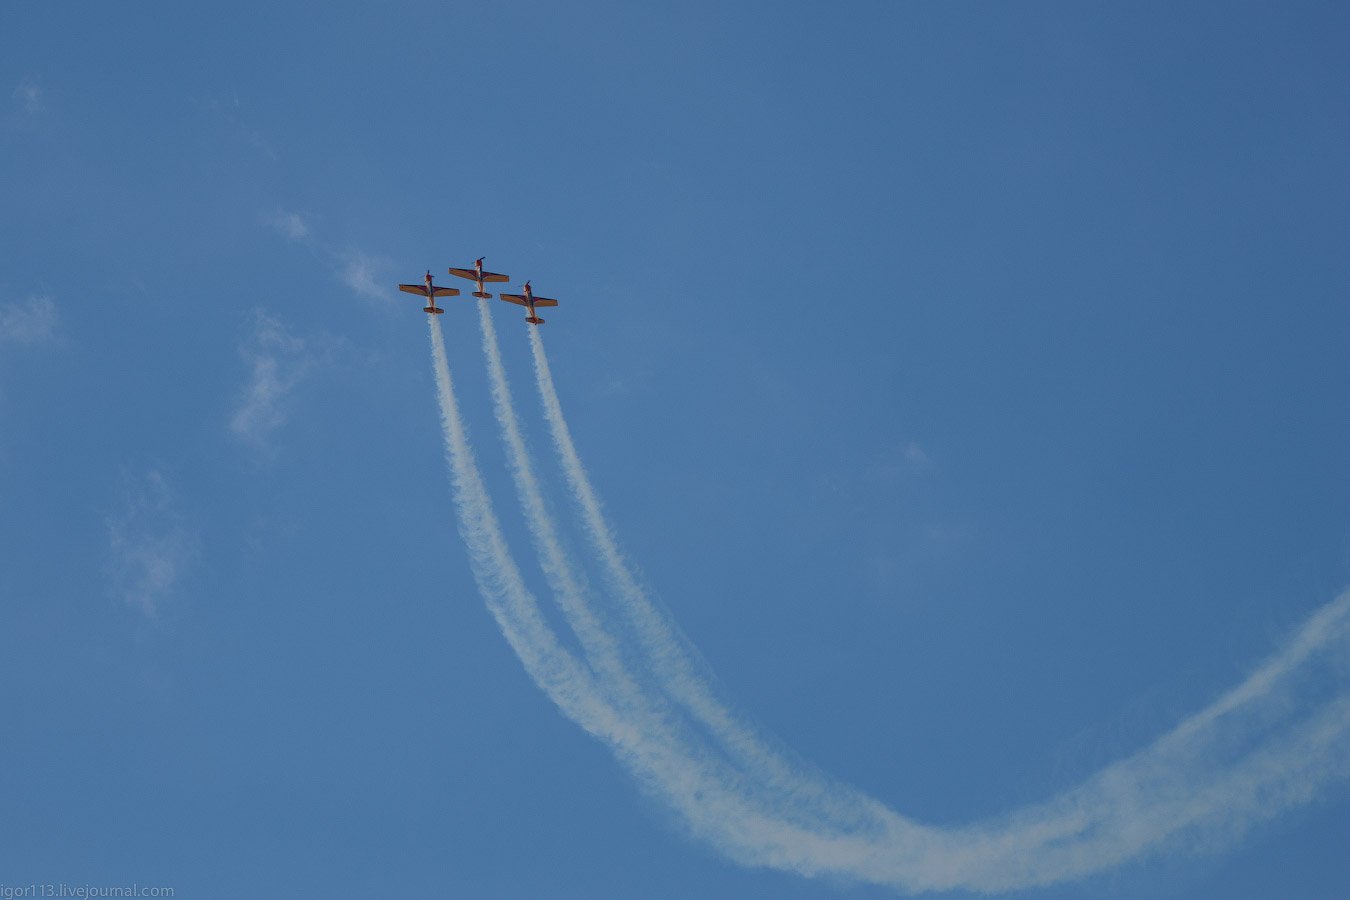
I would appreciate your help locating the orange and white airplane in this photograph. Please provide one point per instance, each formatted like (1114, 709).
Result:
(476, 274)
(529, 301)
(431, 292)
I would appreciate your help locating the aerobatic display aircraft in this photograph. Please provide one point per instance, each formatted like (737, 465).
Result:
(431, 292)
(477, 275)
(529, 301)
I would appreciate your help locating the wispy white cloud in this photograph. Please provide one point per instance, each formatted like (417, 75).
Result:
(915, 456)
(150, 543)
(898, 463)
(28, 94)
(30, 322)
(278, 361)
(359, 274)
(291, 225)
(364, 275)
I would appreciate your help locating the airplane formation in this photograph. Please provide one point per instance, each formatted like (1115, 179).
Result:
(431, 291)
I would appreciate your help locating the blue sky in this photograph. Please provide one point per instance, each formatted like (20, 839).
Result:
(965, 381)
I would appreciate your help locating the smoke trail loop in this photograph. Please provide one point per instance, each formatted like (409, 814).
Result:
(1262, 747)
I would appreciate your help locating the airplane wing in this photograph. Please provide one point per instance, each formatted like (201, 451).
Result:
(493, 276)
(466, 273)
(446, 292)
(517, 299)
(544, 301)
(413, 289)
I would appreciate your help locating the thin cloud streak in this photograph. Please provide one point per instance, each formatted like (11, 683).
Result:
(31, 322)
(1258, 750)
(358, 274)
(149, 544)
(290, 225)
(278, 361)
(29, 95)
(915, 456)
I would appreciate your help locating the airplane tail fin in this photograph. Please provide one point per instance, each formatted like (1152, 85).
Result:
(432, 309)
(534, 320)
(482, 295)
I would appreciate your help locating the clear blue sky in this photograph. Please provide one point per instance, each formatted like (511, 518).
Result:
(969, 382)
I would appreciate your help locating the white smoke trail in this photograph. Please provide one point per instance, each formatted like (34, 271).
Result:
(499, 580)
(1259, 749)
(566, 583)
(675, 662)
(699, 787)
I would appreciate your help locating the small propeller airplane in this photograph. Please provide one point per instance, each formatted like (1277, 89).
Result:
(431, 292)
(529, 301)
(476, 274)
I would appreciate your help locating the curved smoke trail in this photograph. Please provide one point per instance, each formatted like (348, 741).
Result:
(699, 787)
(566, 583)
(1264, 746)
(498, 578)
(675, 662)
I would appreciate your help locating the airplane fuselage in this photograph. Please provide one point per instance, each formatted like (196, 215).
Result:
(481, 294)
(431, 306)
(533, 317)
